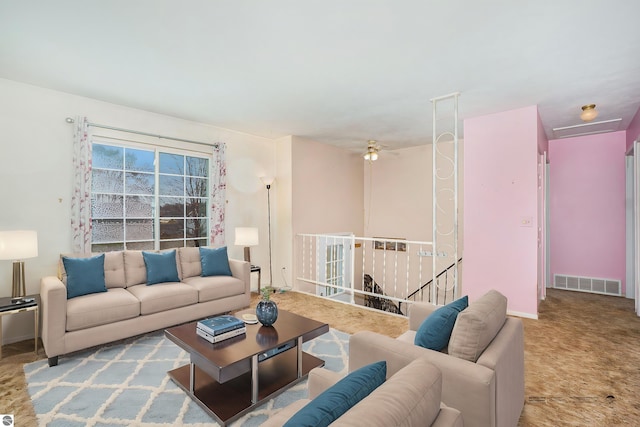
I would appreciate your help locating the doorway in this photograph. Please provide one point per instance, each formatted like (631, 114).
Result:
(632, 205)
(334, 268)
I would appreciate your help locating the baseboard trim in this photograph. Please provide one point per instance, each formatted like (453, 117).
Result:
(521, 314)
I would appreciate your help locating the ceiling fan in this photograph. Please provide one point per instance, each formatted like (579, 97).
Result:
(372, 150)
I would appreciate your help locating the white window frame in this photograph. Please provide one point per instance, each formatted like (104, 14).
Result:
(157, 150)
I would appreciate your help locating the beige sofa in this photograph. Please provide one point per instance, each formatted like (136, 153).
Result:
(409, 397)
(129, 307)
(482, 367)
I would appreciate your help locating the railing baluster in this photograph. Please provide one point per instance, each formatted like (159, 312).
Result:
(312, 270)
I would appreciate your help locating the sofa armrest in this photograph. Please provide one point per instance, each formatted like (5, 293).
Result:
(505, 356)
(418, 312)
(241, 270)
(367, 347)
(53, 306)
(321, 379)
(282, 416)
(466, 386)
(448, 417)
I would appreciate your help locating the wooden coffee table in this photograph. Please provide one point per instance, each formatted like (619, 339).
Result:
(229, 378)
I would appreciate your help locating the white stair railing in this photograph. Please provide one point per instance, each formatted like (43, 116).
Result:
(375, 272)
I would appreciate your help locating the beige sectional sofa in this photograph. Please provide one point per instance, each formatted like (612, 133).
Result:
(130, 307)
(409, 397)
(482, 367)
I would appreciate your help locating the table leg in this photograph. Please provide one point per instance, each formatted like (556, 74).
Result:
(0, 337)
(254, 379)
(259, 281)
(192, 377)
(299, 357)
(37, 324)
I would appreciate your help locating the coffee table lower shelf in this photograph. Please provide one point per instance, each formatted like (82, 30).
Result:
(230, 400)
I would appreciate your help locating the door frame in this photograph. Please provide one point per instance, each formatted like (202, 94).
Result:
(632, 173)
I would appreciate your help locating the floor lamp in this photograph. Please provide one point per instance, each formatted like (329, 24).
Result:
(268, 180)
(18, 246)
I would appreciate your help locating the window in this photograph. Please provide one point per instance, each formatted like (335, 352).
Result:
(148, 198)
(334, 268)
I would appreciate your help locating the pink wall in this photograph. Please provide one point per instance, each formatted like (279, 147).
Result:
(500, 178)
(587, 206)
(633, 131)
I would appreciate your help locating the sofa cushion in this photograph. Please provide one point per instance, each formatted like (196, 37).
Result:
(100, 309)
(215, 287)
(84, 275)
(189, 262)
(163, 296)
(435, 330)
(215, 262)
(477, 325)
(336, 400)
(161, 267)
(135, 270)
(411, 397)
(113, 268)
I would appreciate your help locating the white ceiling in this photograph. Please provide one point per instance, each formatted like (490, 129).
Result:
(336, 71)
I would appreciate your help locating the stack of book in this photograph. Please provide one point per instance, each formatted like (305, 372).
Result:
(219, 328)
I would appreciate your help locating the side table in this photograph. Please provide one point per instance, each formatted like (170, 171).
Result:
(7, 307)
(255, 268)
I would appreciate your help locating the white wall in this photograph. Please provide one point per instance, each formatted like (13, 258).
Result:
(327, 191)
(398, 186)
(36, 175)
(283, 237)
(398, 198)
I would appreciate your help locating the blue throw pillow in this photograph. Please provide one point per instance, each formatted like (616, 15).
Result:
(84, 275)
(338, 399)
(161, 267)
(215, 262)
(435, 330)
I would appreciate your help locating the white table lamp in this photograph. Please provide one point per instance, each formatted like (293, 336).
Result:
(247, 237)
(17, 246)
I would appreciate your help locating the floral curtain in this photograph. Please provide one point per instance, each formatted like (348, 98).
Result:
(81, 197)
(218, 194)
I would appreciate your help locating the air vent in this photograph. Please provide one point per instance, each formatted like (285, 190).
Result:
(591, 128)
(588, 284)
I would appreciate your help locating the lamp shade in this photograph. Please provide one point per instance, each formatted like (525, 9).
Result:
(19, 244)
(246, 236)
(267, 180)
(589, 112)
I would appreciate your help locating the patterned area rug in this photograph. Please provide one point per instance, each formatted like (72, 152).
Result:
(126, 384)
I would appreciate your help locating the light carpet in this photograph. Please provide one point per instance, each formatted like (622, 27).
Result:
(126, 384)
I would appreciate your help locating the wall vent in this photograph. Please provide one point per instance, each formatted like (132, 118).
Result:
(588, 284)
(590, 128)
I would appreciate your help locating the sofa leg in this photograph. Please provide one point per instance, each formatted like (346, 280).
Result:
(53, 361)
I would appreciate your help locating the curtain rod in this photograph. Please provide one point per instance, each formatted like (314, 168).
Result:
(96, 125)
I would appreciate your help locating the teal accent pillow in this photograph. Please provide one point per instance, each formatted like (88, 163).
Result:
(338, 399)
(435, 330)
(215, 262)
(84, 275)
(161, 267)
